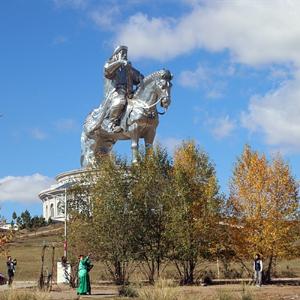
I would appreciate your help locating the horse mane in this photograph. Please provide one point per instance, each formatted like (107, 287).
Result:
(148, 79)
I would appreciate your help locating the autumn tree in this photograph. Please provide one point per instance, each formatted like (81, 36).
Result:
(195, 211)
(5, 237)
(264, 208)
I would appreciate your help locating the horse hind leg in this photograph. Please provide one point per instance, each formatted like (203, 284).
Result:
(87, 157)
(133, 129)
(149, 139)
(103, 147)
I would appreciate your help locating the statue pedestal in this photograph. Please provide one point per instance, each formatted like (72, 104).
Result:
(54, 198)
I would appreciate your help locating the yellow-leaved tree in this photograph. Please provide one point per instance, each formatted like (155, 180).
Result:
(5, 237)
(264, 209)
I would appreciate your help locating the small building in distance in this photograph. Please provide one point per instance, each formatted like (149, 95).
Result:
(8, 226)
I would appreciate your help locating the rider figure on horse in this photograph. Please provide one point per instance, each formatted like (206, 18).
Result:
(123, 78)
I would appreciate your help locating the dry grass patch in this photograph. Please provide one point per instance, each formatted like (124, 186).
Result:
(162, 290)
(23, 295)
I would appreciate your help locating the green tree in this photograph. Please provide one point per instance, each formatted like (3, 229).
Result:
(112, 217)
(14, 216)
(26, 219)
(149, 205)
(196, 210)
(104, 225)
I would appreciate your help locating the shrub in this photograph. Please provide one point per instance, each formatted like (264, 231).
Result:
(127, 291)
(246, 293)
(162, 290)
(225, 295)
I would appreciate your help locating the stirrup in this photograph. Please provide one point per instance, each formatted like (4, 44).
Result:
(116, 128)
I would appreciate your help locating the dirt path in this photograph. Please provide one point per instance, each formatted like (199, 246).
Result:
(111, 293)
(232, 291)
(270, 292)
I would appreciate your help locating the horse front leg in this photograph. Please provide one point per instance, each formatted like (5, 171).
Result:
(134, 142)
(149, 139)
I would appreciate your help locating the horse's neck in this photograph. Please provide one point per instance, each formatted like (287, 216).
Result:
(147, 93)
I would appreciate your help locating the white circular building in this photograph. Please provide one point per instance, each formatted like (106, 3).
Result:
(55, 198)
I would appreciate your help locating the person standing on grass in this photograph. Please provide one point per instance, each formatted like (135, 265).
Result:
(85, 265)
(258, 268)
(11, 269)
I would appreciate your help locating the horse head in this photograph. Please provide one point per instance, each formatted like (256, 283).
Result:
(156, 88)
(164, 84)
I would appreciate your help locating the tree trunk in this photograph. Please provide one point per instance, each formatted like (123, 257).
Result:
(119, 280)
(267, 277)
(188, 272)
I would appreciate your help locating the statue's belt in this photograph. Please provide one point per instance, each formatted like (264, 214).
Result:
(124, 91)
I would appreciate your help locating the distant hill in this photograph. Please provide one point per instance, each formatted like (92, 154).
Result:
(26, 247)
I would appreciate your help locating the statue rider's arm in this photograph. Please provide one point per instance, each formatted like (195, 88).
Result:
(111, 67)
(137, 77)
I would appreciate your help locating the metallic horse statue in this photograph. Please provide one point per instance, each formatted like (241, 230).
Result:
(139, 119)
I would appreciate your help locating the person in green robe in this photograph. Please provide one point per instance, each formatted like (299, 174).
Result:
(85, 265)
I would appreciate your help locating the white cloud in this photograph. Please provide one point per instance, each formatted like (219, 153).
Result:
(23, 188)
(212, 80)
(255, 32)
(276, 115)
(38, 134)
(66, 125)
(105, 16)
(223, 127)
(194, 78)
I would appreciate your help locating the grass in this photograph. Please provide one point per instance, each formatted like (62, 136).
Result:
(28, 247)
(162, 290)
(23, 295)
(230, 294)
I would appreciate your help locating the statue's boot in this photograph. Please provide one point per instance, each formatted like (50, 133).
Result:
(114, 118)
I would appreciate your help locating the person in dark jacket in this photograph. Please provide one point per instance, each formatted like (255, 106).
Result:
(11, 269)
(258, 268)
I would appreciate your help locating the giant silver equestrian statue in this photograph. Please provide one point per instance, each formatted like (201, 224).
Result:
(128, 110)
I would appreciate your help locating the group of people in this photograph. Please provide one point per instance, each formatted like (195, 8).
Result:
(85, 265)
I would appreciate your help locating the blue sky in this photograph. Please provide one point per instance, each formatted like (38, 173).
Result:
(236, 80)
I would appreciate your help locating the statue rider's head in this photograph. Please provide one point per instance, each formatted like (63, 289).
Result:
(120, 53)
